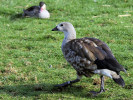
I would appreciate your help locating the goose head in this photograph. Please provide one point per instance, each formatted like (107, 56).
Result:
(68, 30)
(42, 5)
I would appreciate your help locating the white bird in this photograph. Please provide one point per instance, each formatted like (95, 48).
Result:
(37, 11)
(88, 56)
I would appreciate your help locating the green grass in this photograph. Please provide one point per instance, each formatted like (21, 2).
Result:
(28, 47)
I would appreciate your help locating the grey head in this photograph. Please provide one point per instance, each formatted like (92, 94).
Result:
(68, 29)
(64, 27)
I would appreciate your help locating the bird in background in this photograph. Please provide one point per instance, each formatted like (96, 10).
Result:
(88, 56)
(37, 11)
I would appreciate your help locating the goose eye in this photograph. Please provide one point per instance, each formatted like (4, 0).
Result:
(61, 24)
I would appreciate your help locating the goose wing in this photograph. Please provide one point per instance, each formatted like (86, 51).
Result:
(97, 52)
(33, 8)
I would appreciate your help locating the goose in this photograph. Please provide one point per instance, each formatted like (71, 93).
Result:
(37, 11)
(88, 56)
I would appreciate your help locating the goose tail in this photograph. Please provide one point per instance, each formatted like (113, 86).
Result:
(119, 80)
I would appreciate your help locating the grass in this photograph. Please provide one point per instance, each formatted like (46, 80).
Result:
(28, 48)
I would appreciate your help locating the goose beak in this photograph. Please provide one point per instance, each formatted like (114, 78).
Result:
(55, 29)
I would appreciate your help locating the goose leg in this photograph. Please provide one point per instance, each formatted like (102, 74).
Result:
(101, 88)
(70, 82)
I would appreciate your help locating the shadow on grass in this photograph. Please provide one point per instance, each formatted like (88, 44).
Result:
(13, 15)
(36, 89)
(16, 16)
(26, 90)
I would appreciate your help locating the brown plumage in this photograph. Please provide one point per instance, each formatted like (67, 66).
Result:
(86, 53)
(89, 56)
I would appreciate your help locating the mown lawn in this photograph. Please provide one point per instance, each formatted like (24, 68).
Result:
(28, 49)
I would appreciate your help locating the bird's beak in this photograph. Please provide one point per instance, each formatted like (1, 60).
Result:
(55, 29)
